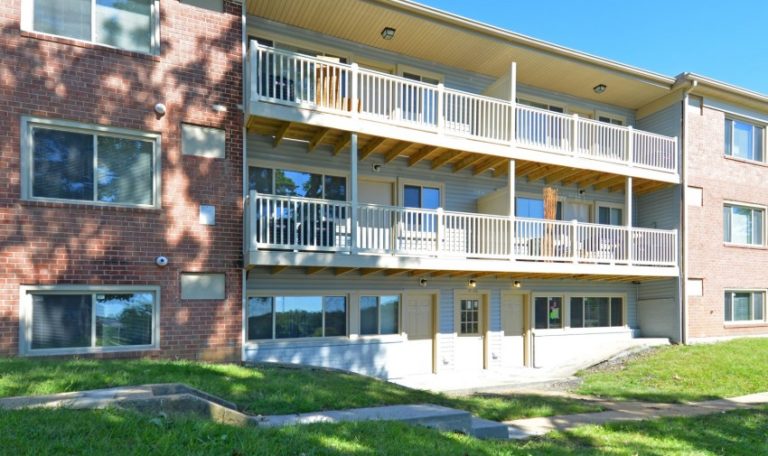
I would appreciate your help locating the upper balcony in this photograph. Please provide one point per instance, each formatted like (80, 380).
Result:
(296, 88)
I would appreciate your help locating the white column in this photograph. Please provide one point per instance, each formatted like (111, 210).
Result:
(353, 190)
(513, 100)
(628, 218)
(511, 208)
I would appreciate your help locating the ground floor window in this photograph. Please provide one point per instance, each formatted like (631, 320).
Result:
(379, 314)
(83, 321)
(548, 312)
(744, 306)
(469, 316)
(596, 312)
(288, 317)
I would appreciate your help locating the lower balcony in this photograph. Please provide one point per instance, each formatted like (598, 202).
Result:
(292, 231)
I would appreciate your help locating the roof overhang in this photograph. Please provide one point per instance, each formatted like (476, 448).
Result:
(708, 87)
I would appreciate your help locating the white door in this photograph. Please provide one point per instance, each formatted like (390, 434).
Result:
(418, 325)
(512, 323)
(375, 233)
(576, 211)
(470, 332)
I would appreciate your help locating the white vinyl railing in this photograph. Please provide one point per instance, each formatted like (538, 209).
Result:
(324, 85)
(306, 224)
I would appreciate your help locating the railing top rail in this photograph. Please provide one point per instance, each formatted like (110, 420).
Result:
(478, 96)
(654, 135)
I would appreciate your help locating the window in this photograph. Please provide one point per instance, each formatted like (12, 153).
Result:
(78, 164)
(536, 104)
(124, 24)
(743, 225)
(419, 105)
(548, 312)
(610, 120)
(534, 208)
(609, 215)
(744, 306)
(287, 317)
(68, 320)
(379, 314)
(744, 140)
(595, 312)
(297, 183)
(421, 196)
(469, 317)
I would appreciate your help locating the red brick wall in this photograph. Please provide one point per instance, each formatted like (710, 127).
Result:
(722, 267)
(50, 243)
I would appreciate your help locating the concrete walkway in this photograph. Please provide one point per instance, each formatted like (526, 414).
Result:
(630, 411)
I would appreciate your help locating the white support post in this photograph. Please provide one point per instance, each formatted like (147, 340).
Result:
(628, 207)
(574, 241)
(630, 145)
(440, 230)
(440, 108)
(354, 96)
(511, 209)
(353, 191)
(575, 135)
(513, 101)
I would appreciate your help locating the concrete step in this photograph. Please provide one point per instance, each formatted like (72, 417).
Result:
(487, 429)
(434, 416)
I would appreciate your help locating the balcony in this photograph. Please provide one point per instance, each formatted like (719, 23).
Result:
(298, 88)
(302, 225)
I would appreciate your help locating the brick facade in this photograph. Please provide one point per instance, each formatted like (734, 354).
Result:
(722, 267)
(59, 243)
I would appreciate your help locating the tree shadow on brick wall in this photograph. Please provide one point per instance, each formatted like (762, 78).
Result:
(44, 242)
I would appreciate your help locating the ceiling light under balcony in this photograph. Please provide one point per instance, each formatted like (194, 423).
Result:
(388, 33)
(600, 88)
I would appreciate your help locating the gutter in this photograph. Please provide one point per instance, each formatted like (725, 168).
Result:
(683, 282)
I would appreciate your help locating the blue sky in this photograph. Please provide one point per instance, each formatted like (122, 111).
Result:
(724, 40)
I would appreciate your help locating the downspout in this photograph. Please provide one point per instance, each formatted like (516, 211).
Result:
(245, 81)
(683, 284)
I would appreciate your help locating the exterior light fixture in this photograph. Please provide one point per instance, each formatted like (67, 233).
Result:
(472, 284)
(423, 283)
(600, 88)
(388, 33)
(516, 284)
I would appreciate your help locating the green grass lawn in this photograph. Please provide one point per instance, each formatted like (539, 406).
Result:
(262, 389)
(686, 373)
(120, 432)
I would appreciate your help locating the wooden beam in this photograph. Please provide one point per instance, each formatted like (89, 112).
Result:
(423, 154)
(396, 151)
(278, 269)
(609, 182)
(501, 171)
(317, 139)
(526, 168)
(599, 179)
(394, 272)
(369, 271)
(370, 147)
(490, 163)
(342, 271)
(447, 157)
(560, 175)
(542, 172)
(467, 162)
(280, 135)
(346, 138)
(315, 270)
(582, 174)
(441, 273)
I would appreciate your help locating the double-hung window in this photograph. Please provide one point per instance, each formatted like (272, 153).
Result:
(88, 319)
(72, 162)
(288, 317)
(744, 306)
(744, 140)
(123, 24)
(743, 224)
(379, 314)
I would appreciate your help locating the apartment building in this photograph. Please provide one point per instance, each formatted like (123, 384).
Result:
(389, 189)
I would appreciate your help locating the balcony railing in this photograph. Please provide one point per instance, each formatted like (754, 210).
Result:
(318, 84)
(305, 224)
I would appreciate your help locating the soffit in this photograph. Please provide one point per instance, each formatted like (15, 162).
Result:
(488, 52)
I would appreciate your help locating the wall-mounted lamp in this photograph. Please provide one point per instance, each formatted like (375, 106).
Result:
(517, 284)
(388, 33)
(376, 168)
(472, 284)
(423, 283)
(600, 88)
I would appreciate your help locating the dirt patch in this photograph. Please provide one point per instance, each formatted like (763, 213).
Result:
(619, 362)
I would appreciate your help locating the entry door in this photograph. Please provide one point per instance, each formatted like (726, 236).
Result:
(470, 331)
(513, 325)
(419, 327)
(576, 211)
(375, 233)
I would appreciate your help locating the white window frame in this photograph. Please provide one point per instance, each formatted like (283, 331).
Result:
(27, 151)
(599, 204)
(610, 296)
(25, 317)
(359, 316)
(754, 125)
(28, 15)
(524, 99)
(401, 183)
(287, 294)
(762, 229)
(300, 168)
(611, 116)
(563, 312)
(751, 321)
